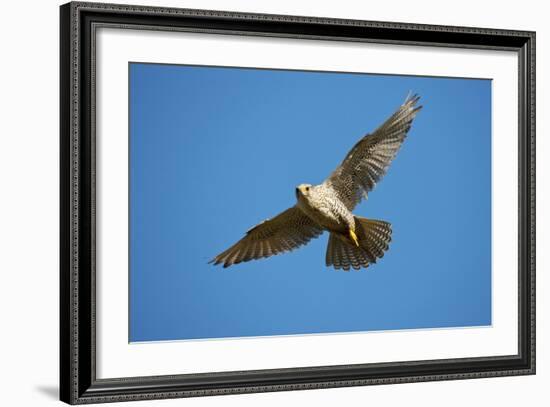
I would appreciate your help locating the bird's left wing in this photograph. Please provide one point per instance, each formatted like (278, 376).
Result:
(369, 159)
(285, 232)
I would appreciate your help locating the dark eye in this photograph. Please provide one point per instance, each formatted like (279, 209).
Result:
(307, 189)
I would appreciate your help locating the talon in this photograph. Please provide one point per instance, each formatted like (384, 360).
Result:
(353, 237)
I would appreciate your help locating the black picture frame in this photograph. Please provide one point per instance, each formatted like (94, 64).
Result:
(78, 382)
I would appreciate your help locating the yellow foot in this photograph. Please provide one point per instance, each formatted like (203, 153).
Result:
(353, 237)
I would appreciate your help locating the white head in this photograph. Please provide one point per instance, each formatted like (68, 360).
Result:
(303, 191)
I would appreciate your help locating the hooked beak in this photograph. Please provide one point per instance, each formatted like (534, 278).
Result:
(297, 193)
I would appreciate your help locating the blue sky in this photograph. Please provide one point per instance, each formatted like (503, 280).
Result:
(214, 151)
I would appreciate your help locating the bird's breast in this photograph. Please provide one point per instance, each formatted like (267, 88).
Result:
(328, 213)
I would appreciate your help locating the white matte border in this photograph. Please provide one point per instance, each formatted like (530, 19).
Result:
(117, 358)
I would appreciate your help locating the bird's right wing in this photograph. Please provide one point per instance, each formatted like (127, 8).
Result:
(369, 159)
(285, 232)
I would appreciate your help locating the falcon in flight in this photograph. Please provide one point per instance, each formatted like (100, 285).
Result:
(354, 242)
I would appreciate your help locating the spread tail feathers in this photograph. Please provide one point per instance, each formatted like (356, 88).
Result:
(373, 236)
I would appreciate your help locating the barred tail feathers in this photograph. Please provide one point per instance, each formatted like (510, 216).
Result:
(374, 237)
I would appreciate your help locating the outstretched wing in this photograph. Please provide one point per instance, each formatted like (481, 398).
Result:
(369, 159)
(285, 232)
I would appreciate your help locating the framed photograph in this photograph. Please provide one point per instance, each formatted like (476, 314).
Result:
(255, 203)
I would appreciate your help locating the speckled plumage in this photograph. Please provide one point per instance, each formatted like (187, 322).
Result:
(321, 203)
(354, 242)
